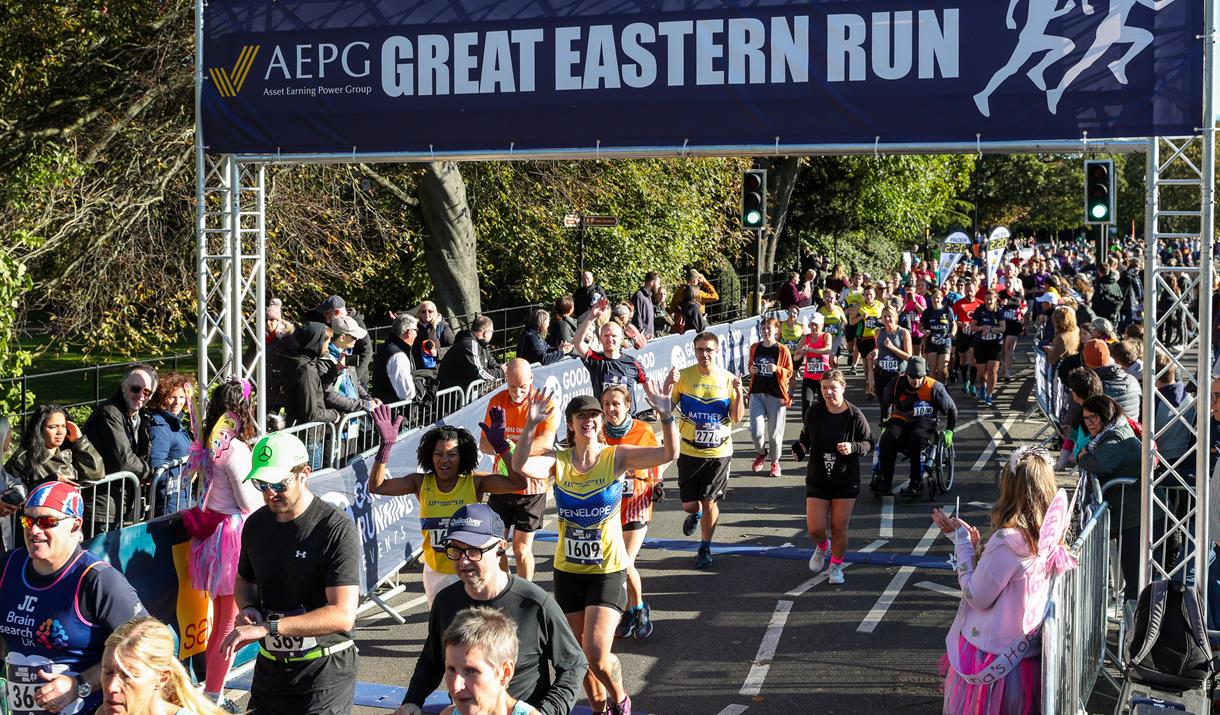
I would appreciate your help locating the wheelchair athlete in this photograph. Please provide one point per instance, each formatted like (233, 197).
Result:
(913, 401)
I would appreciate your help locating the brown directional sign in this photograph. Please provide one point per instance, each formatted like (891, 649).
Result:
(601, 220)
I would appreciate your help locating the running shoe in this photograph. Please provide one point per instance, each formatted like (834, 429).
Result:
(818, 560)
(692, 520)
(758, 463)
(627, 624)
(623, 708)
(643, 622)
(775, 471)
(965, 388)
(836, 574)
(974, 390)
(230, 706)
(982, 394)
(910, 491)
(855, 369)
(989, 400)
(704, 559)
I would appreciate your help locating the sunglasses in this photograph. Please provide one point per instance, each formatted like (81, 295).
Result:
(275, 488)
(473, 553)
(136, 390)
(45, 523)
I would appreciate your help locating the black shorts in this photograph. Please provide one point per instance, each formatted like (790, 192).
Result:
(817, 487)
(702, 478)
(867, 345)
(635, 525)
(1013, 329)
(329, 701)
(935, 349)
(574, 592)
(963, 342)
(986, 351)
(522, 512)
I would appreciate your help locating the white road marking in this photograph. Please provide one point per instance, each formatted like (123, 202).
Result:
(734, 710)
(766, 649)
(887, 597)
(990, 449)
(800, 590)
(938, 588)
(886, 530)
(979, 504)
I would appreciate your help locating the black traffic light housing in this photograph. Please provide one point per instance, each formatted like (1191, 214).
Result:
(1098, 191)
(754, 199)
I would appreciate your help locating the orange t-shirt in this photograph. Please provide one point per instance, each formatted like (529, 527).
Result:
(514, 424)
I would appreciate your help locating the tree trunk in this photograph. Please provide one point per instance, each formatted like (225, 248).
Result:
(449, 243)
(781, 176)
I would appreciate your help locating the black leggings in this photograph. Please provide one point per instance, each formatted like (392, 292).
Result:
(908, 437)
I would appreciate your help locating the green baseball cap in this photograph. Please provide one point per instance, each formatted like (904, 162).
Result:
(275, 456)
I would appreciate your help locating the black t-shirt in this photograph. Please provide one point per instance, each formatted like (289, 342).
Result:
(938, 322)
(622, 370)
(544, 642)
(293, 563)
(986, 316)
(829, 432)
(764, 381)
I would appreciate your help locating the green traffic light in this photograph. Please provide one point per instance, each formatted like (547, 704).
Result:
(753, 218)
(1099, 211)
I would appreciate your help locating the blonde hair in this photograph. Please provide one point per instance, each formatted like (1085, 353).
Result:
(150, 642)
(1027, 486)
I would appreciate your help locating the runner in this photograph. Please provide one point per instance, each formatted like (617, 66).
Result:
(610, 366)
(449, 485)
(641, 489)
(709, 401)
(1013, 313)
(870, 320)
(834, 320)
(790, 333)
(818, 353)
(522, 510)
(141, 674)
(893, 347)
(989, 326)
(963, 311)
(913, 402)
(913, 306)
(770, 371)
(591, 561)
(835, 434)
(852, 297)
(297, 588)
(939, 329)
(59, 605)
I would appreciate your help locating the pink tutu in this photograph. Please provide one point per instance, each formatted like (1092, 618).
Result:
(1019, 693)
(213, 561)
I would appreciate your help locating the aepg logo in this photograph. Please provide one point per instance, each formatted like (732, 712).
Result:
(229, 82)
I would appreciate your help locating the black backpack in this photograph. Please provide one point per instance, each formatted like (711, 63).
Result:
(1167, 645)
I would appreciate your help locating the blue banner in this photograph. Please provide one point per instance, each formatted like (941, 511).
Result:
(301, 76)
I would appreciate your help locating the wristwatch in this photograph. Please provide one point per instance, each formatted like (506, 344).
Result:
(273, 625)
(83, 688)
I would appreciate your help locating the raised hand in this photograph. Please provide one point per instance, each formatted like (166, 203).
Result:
(388, 427)
(73, 431)
(658, 398)
(494, 432)
(541, 407)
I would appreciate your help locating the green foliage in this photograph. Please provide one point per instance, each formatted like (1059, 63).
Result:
(15, 281)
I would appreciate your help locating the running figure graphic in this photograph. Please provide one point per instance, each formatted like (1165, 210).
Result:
(1032, 40)
(1113, 30)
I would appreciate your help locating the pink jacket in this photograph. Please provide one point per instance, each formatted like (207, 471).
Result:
(993, 591)
(228, 465)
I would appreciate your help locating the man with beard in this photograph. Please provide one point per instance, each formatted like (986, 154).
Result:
(297, 588)
(470, 359)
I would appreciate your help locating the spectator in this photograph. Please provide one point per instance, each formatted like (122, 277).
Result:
(563, 327)
(470, 360)
(1132, 283)
(809, 288)
(790, 293)
(1122, 387)
(662, 322)
(1102, 329)
(480, 658)
(474, 535)
(394, 366)
(278, 341)
(1082, 384)
(435, 336)
(1084, 289)
(698, 293)
(141, 673)
(622, 315)
(53, 448)
(644, 318)
(362, 351)
(1135, 331)
(170, 439)
(1112, 451)
(588, 294)
(532, 347)
(305, 373)
(1067, 335)
(1128, 355)
(1174, 436)
(12, 491)
(1107, 301)
(346, 393)
(118, 428)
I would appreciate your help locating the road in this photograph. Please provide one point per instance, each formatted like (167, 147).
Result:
(757, 633)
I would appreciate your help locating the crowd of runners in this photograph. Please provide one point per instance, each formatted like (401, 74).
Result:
(282, 566)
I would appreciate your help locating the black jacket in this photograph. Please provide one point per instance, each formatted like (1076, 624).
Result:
(362, 352)
(1107, 297)
(858, 432)
(465, 362)
(563, 330)
(582, 298)
(124, 446)
(305, 372)
(381, 387)
(532, 348)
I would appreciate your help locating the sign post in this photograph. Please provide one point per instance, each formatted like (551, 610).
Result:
(579, 222)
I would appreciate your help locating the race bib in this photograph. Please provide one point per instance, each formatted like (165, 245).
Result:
(583, 546)
(938, 339)
(1010, 315)
(828, 459)
(283, 646)
(707, 435)
(23, 683)
(764, 367)
(871, 323)
(832, 329)
(888, 364)
(922, 408)
(991, 335)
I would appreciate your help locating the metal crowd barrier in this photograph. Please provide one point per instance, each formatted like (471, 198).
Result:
(1074, 633)
(111, 503)
(166, 492)
(1048, 394)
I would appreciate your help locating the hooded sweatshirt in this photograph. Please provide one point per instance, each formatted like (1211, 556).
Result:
(305, 372)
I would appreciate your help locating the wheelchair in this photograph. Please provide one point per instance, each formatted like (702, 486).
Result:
(938, 470)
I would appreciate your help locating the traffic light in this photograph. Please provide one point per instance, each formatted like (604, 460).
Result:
(754, 199)
(1098, 191)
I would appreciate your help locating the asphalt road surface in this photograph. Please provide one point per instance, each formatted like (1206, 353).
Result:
(757, 632)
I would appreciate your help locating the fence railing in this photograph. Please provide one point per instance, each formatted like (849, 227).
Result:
(81, 386)
(111, 503)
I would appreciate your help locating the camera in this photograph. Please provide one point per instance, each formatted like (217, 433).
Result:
(14, 495)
